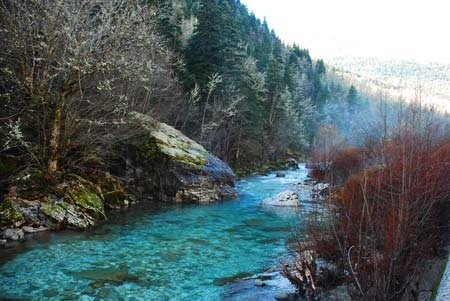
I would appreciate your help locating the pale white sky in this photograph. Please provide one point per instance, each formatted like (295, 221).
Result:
(401, 29)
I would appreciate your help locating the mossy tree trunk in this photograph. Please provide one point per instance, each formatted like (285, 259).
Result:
(55, 133)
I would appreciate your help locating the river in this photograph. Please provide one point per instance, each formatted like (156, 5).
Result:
(170, 253)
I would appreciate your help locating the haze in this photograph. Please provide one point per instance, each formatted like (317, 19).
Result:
(397, 29)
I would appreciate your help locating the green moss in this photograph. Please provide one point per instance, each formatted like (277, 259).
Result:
(114, 194)
(55, 211)
(148, 149)
(10, 216)
(31, 178)
(85, 195)
(166, 143)
(87, 198)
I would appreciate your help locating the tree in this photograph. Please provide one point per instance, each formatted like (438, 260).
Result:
(320, 67)
(74, 68)
(352, 99)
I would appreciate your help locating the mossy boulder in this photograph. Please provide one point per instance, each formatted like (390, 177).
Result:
(165, 163)
(10, 214)
(80, 207)
(114, 194)
(85, 195)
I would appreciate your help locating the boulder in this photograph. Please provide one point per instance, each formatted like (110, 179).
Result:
(28, 229)
(280, 174)
(286, 198)
(292, 163)
(13, 234)
(114, 193)
(10, 214)
(79, 206)
(171, 167)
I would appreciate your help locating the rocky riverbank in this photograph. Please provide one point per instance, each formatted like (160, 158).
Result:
(162, 165)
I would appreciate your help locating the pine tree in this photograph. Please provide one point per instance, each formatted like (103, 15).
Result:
(352, 99)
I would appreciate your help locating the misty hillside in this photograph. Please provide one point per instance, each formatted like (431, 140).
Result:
(404, 79)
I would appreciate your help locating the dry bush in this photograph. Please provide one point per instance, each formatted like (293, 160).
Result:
(387, 217)
(332, 159)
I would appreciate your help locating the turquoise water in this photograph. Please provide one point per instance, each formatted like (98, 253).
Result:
(172, 253)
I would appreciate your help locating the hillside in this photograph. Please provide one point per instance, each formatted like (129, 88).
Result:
(405, 79)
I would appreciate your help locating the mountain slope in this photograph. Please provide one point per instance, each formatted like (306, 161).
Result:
(404, 79)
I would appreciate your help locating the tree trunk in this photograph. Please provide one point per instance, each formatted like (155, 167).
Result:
(52, 165)
(272, 111)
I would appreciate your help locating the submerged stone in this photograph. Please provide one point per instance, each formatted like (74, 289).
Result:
(50, 293)
(226, 280)
(112, 274)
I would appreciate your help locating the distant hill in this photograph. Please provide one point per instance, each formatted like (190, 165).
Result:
(404, 79)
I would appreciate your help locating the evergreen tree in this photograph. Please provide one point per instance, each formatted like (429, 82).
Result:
(352, 99)
(320, 67)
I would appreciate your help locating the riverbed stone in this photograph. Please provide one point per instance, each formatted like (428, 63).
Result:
(115, 275)
(50, 293)
(286, 198)
(229, 279)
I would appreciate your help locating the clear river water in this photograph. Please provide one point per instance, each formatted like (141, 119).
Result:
(172, 253)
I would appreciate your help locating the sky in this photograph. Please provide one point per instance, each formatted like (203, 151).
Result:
(398, 29)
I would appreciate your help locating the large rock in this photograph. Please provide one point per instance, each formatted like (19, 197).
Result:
(13, 234)
(173, 168)
(286, 198)
(31, 207)
(80, 208)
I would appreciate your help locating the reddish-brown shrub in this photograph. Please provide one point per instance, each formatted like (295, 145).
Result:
(386, 216)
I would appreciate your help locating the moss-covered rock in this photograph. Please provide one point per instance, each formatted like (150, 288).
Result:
(114, 194)
(173, 168)
(55, 212)
(80, 207)
(10, 214)
(165, 141)
(86, 196)
(76, 203)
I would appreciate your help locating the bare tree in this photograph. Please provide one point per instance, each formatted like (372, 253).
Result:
(73, 71)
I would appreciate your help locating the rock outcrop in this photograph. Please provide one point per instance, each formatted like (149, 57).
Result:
(171, 167)
(32, 206)
(283, 199)
(161, 163)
